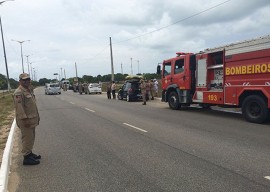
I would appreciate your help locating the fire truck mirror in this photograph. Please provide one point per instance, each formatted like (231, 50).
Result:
(158, 70)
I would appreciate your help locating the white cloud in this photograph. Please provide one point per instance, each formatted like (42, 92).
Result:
(63, 32)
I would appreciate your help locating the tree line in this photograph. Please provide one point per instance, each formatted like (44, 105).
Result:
(119, 77)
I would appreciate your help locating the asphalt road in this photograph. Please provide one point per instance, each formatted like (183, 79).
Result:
(90, 143)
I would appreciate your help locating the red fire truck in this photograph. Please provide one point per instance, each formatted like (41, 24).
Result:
(235, 75)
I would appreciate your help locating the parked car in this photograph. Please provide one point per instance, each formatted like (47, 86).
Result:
(52, 89)
(94, 88)
(130, 91)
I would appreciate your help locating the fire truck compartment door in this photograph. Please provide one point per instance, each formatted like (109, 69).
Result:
(201, 73)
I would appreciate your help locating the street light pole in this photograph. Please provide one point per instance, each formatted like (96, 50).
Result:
(31, 71)
(28, 63)
(34, 74)
(5, 48)
(21, 42)
(138, 66)
(131, 66)
(5, 55)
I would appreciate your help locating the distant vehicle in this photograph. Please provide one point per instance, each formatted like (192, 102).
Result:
(94, 88)
(52, 89)
(130, 91)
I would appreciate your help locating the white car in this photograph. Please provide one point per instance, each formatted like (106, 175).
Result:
(52, 89)
(94, 88)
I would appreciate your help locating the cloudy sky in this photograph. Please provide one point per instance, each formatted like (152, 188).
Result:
(62, 32)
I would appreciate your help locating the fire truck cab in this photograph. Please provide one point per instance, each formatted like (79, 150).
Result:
(235, 75)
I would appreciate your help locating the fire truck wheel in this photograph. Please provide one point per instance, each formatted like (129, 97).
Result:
(255, 109)
(174, 101)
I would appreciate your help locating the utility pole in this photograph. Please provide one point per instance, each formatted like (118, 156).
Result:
(65, 74)
(34, 74)
(5, 55)
(138, 67)
(28, 63)
(112, 70)
(76, 70)
(122, 68)
(31, 71)
(8, 84)
(61, 74)
(131, 66)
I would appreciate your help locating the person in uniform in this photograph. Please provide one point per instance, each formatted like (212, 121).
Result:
(80, 88)
(113, 89)
(85, 88)
(151, 87)
(156, 87)
(143, 91)
(109, 90)
(27, 118)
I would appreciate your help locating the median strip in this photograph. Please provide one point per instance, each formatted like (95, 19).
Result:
(72, 103)
(89, 110)
(267, 177)
(135, 127)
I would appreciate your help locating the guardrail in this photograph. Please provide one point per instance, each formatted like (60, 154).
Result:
(7, 158)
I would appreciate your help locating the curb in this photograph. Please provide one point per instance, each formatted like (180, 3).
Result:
(6, 160)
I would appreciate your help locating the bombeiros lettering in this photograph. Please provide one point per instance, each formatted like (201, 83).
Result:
(248, 69)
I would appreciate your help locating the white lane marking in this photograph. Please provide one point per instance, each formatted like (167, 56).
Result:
(135, 127)
(72, 103)
(267, 177)
(89, 110)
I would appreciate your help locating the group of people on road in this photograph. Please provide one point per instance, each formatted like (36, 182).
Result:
(111, 88)
(149, 89)
(27, 116)
(83, 87)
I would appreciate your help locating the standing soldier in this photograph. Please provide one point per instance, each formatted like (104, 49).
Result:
(80, 88)
(109, 90)
(85, 88)
(156, 87)
(27, 118)
(65, 86)
(148, 88)
(151, 87)
(143, 91)
(113, 89)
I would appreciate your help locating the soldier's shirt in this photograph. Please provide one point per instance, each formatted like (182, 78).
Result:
(25, 108)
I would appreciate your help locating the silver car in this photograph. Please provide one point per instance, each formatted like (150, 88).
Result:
(52, 89)
(94, 88)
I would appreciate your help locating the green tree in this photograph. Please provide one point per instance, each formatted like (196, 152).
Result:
(43, 81)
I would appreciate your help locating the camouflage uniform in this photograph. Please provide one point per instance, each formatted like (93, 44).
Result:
(109, 91)
(80, 88)
(143, 91)
(85, 88)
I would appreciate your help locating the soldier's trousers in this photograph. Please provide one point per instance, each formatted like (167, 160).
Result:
(28, 139)
(144, 97)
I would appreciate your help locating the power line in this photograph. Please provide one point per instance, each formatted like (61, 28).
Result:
(161, 28)
(186, 18)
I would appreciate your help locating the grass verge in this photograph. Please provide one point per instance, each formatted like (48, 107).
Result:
(6, 118)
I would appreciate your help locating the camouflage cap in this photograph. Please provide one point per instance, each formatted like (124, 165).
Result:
(24, 76)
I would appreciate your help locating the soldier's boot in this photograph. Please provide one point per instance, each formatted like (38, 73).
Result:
(35, 156)
(152, 98)
(30, 160)
(144, 103)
